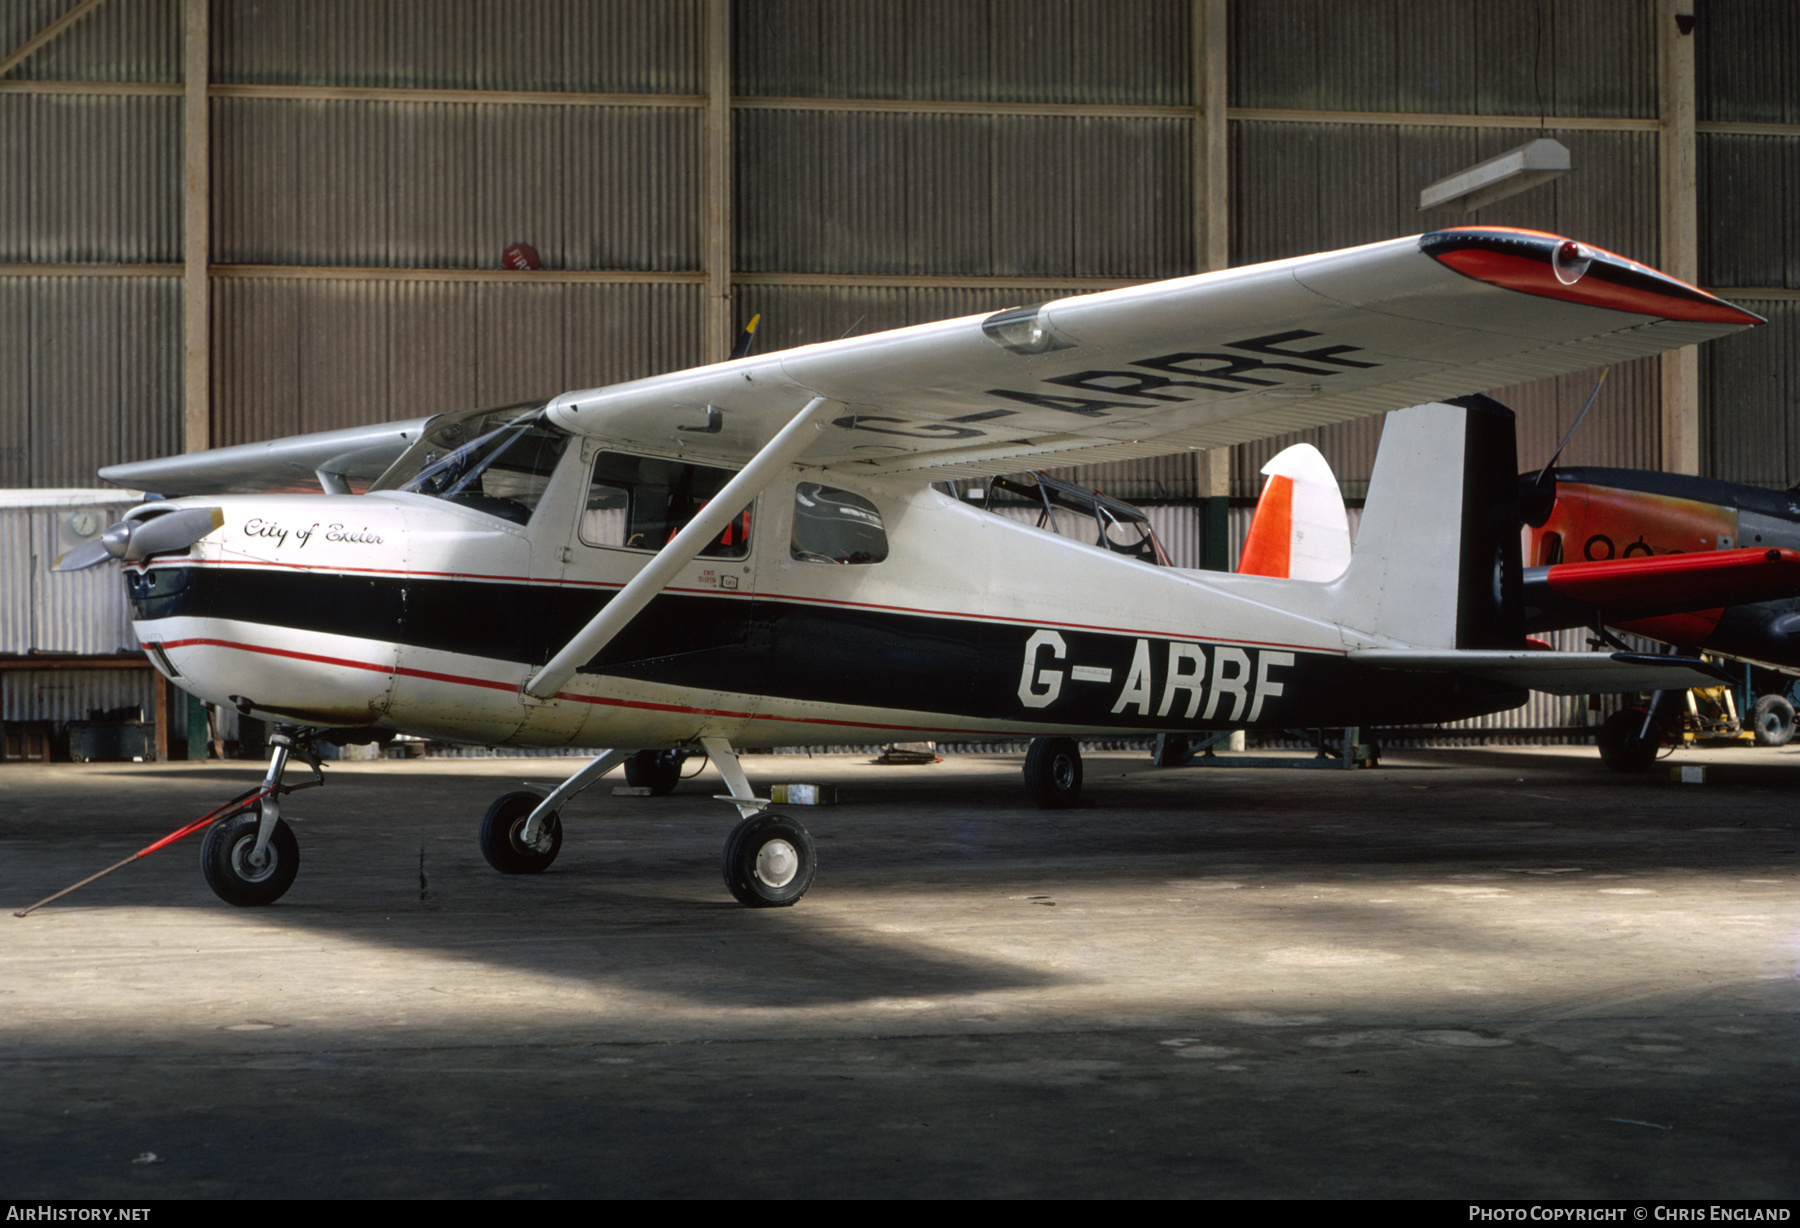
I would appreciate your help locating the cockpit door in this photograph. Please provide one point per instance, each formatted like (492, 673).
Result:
(548, 536)
(692, 635)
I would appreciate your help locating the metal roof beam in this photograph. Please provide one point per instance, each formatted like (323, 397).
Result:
(48, 34)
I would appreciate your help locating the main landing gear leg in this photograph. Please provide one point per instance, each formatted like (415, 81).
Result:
(521, 833)
(769, 858)
(251, 858)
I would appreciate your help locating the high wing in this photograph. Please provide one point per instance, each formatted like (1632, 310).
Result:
(332, 459)
(1197, 362)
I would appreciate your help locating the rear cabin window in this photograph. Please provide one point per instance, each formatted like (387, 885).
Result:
(836, 526)
(640, 502)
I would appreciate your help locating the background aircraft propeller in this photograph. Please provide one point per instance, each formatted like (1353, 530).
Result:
(1538, 498)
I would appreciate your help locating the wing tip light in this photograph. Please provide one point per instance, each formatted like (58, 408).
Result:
(1551, 266)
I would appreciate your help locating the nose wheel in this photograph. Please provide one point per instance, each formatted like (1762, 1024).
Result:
(769, 861)
(250, 857)
(234, 869)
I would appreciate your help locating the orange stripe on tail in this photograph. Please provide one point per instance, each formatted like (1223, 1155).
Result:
(1267, 548)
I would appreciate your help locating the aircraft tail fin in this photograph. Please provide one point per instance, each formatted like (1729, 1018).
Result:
(1436, 563)
(1299, 530)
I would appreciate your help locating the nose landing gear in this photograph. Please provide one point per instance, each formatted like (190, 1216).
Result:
(250, 858)
(233, 869)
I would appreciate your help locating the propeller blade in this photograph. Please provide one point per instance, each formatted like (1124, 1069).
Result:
(1589, 404)
(88, 554)
(746, 338)
(172, 531)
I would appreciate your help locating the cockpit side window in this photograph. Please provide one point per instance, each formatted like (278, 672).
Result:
(640, 502)
(836, 526)
(504, 473)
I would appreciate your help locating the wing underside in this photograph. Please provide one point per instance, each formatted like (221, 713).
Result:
(1199, 362)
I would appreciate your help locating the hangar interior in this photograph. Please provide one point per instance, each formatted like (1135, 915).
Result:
(224, 221)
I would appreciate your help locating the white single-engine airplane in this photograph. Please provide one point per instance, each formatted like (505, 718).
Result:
(753, 553)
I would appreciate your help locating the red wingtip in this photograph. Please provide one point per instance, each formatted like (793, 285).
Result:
(1550, 266)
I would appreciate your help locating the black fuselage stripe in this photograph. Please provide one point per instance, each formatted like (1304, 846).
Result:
(827, 654)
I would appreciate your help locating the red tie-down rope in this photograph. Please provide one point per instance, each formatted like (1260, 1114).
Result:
(235, 806)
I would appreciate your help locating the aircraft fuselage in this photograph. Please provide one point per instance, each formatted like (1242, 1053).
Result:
(406, 612)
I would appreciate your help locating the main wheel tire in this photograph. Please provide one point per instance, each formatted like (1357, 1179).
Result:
(225, 860)
(500, 830)
(1053, 772)
(656, 770)
(1623, 748)
(1773, 719)
(769, 861)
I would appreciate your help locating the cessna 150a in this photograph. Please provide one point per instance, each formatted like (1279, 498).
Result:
(754, 553)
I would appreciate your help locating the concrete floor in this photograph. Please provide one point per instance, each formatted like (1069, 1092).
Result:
(1501, 973)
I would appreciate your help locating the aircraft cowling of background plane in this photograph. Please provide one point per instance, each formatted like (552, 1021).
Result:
(1632, 548)
(755, 553)
(1601, 514)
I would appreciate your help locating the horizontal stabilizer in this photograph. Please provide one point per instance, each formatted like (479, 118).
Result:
(1559, 673)
(1620, 590)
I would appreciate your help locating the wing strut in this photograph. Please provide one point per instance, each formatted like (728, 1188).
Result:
(763, 468)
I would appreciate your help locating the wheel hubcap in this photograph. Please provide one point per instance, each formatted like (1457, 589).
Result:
(776, 863)
(244, 867)
(1062, 773)
(541, 845)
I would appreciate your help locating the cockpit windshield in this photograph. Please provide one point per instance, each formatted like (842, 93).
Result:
(445, 433)
(502, 472)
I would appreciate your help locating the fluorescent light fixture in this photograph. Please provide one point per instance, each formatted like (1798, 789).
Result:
(1512, 172)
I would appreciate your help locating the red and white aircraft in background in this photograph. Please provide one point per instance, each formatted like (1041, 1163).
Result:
(754, 552)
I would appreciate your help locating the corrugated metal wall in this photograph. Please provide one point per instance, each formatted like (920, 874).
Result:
(976, 50)
(442, 185)
(399, 183)
(89, 366)
(297, 355)
(1747, 54)
(44, 611)
(1026, 196)
(89, 178)
(71, 694)
(1752, 384)
(1448, 57)
(651, 47)
(136, 40)
(90, 375)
